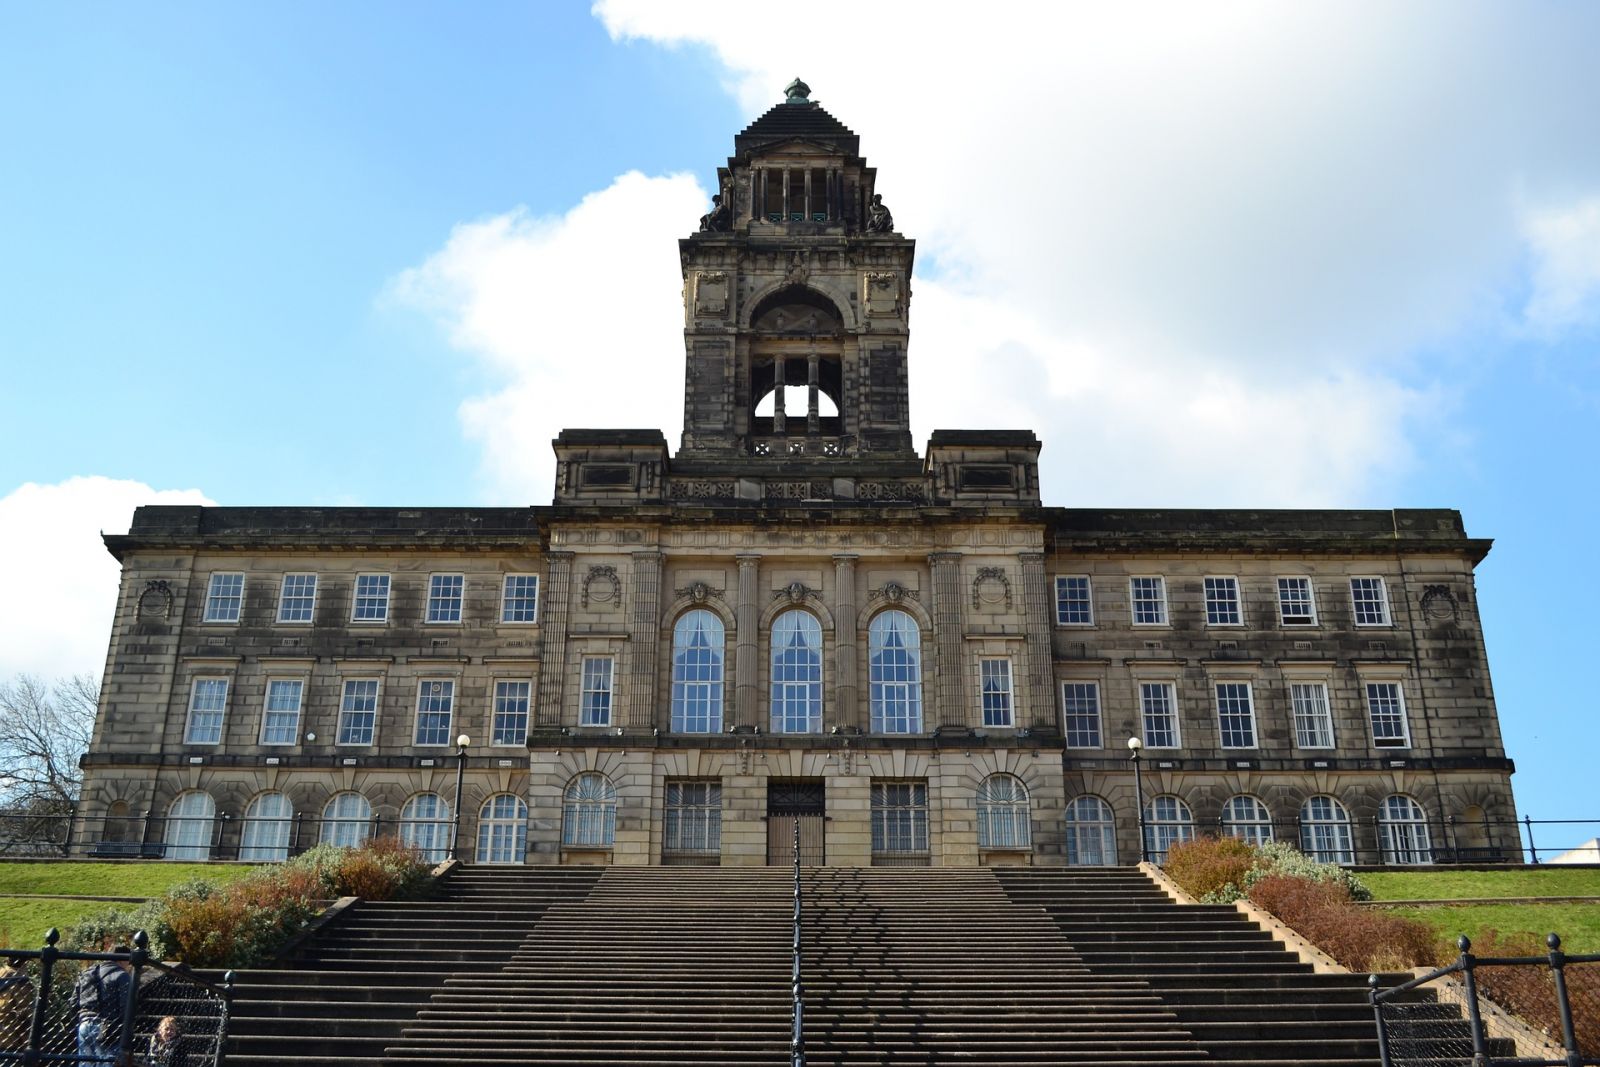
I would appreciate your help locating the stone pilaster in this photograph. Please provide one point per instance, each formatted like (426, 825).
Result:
(949, 622)
(553, 660)
(746, 669)
(846, 696)
(644, 640)
(1037, 622)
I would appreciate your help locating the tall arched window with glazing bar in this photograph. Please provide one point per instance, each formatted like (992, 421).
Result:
(796, 673)
(698, 644)
(894, 651)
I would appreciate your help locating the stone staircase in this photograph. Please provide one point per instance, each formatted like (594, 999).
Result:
(365, 977)
(657, 966)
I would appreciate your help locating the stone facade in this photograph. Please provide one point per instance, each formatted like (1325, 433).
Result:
(957, 667)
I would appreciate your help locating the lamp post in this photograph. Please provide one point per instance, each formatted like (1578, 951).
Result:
(1134, 747)
(461, 774)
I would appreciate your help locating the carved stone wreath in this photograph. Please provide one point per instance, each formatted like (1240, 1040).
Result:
(985, 576)
(156, 600)
(1439, 604)
(610, 595)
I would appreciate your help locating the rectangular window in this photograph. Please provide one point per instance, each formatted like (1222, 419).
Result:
(1388, 711)
(224, 598)
(994, 676)
(1149, 598)
(519, 598)
(693, 818)
(372, 598)
(1080, 714)
(595, 706)
(280, 722)
(1296, 605)
(1074, 601)
(208, 700)
(1222, 602)
(899, 818)
(1236, 715)
(510, 725)
(297, 598)
(358, 711)
(1370, 601)
(1313, 725)
(444, 597)
(435, 701)
(1158, 703)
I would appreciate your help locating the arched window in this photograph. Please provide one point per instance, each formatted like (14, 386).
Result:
(346, 820)
(796, 674)
(425, 826)
(589, 815)
(189, 825)
(1091, 833)
(118, 824)
(894, 648)
(1003, 815)
(697, 648)
(1167, 821)
(503, 830)
(1403, 831)
(1248, 819)
(1325, 831)
(265, 837)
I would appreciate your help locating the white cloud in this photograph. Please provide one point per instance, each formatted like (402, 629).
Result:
(62, 583)
(1565, 245)
(579, 316)
(1229, 228)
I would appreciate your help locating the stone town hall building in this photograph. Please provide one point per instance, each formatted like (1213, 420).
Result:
(796, 616)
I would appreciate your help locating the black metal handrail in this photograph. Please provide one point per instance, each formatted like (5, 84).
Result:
(1466, 965)
(797, 1039)
(46, 1017)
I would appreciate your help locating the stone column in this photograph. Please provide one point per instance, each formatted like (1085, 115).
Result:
(949, 622)
(644, 640)
(553, 637)
(1037, 623)
(746, 670)
(846, 696)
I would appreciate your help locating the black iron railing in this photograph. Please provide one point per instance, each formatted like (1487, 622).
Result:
(93, 1015)
(797, 1037)
(1539, 990)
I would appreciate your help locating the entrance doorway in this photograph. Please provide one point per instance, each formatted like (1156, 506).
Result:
(791, 802)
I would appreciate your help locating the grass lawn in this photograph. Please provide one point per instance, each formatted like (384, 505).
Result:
(109, 879)
(1578, 924)
(23, 922)
(1457, 885)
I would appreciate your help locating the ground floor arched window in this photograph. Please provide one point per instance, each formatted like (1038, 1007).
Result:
(425, 826)
(189, 827)
(1325, 831)
(1248, 819)
(1403, 831)
(265, 837)
(1167, 821)
(503, 830)
(1091, 833)
(1003, 815)
(589, 812)
(346, 820)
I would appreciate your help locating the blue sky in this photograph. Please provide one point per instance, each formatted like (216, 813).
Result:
(1244, 255)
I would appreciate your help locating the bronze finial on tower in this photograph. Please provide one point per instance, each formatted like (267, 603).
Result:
(798, 92)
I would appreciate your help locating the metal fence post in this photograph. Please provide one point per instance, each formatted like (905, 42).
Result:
(222, 1028)
(1558, 971)
(130, 1006)
(1532, 851)
(1480, 1051)
(66, 842)
(41, 1000)
(1377, 1013)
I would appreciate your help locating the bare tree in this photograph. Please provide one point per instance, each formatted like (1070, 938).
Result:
(44, 729)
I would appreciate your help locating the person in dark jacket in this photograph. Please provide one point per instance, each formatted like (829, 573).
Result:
(101, 993)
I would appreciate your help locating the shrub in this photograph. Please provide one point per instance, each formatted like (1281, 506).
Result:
(1211, 868)
(248, 921)
(1361, 939)
(1280, 857)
